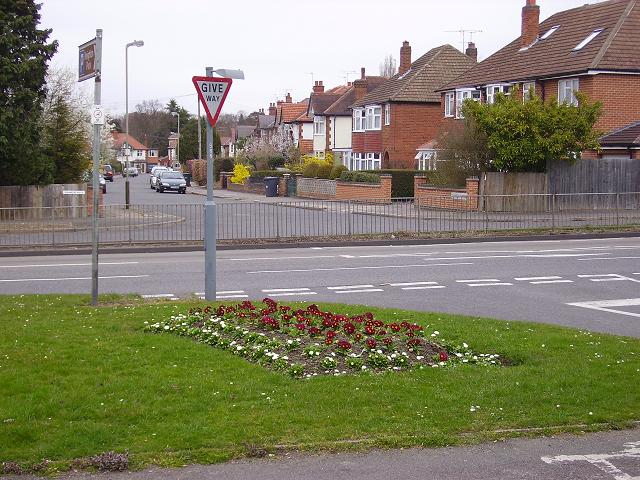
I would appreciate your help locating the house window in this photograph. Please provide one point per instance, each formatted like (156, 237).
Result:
(528, 90)
(549, 32)
(387, 114)
(427, 160)
(461, 96)
(346, 159)
(373, 118)
(449, 102)
(358, 120)
(318, 125)
(373, 161)
(567, 91)
(492, 90)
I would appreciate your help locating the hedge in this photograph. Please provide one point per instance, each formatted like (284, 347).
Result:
(360, 177)
(401, 181)
(260, 174)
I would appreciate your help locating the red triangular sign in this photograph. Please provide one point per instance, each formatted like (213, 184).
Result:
(212, 92)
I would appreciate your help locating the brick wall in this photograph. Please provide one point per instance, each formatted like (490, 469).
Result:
(336, 190)
(366, 142)
(412, 124)
(306, 146)
(90, 202)
(446, 198)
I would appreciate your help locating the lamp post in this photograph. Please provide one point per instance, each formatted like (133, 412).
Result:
(135, 43)
(210, 220)
(176, 114)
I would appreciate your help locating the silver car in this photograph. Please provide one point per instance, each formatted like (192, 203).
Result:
(155, 172)
(171, 181)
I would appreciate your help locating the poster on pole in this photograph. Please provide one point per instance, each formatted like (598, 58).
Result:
(87, 67)
(212, 92)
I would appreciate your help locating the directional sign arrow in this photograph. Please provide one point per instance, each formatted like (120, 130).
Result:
(212, 92)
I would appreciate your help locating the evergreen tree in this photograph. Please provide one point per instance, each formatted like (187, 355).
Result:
(24, 53)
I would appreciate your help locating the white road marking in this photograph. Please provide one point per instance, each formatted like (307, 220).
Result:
(368, 290)
(542, 282)
(484, 282)
(526, 279)
(488, 284)
(350, 286)
(424, 288)
(303, 270)
(608, 277)
(43, 265)
(231, 296)
(291, 294)
(280, 290)
(608, 258)
(409, 284)
(478, 280)
(605, 305)
(159, 295)
(221, 292)
(71, 278)
(603, 461)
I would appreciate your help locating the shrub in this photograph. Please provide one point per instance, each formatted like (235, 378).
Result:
(260, 174)
(360, 177)
(223, 164)
(275, 162)
(240, 174)
(198, 171)
(337, 171)
(311, 170)
(401, 181)
(324, 171)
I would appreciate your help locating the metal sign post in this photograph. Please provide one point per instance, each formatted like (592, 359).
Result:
(212, 93)
(90, 66)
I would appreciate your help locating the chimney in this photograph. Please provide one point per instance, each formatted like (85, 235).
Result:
(261, 111)
(288, 98)
(405, 57)
(472, 51)
(362, 74)
(272, 109)
(530, 23)
(360, 88)
(318, 87)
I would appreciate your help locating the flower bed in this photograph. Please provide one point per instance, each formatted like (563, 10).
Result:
(309, 342)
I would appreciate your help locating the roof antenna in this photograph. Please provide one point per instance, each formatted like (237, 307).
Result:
(346, 75)
(464, 36)
(311, 73)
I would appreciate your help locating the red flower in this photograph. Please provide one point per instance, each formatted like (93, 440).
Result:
(413, 342)
(378, 323)
(368, 329)
(358, 337)
(220, 310)
(395, 327)
(331, 334)
(368, 316)
(443, 356)
(314, 331)
(387, 341)
(344, 345)
(371, 343)
(301, 326)
(349, 328)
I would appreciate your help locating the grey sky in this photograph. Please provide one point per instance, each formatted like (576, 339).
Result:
(276, 43)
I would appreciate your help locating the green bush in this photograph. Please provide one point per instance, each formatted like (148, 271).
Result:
(260, 174)
(275, 162)
(324, 171)
(401, 181)
(311, 170)
(336, 171)
(223, 164)
(360, 177)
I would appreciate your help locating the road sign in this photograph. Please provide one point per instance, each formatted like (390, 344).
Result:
(87, 67)
(212, 92)
(97, 115)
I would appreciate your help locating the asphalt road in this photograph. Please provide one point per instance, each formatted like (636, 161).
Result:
(588, 284)
(599, 456)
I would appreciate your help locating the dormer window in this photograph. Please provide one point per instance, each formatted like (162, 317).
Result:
(586, 41)
(549, 32)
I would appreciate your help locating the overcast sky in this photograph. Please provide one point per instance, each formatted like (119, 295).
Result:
(277, 43)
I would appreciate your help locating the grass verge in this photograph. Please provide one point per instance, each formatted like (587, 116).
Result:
(77, 381)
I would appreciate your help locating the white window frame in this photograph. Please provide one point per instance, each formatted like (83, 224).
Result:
(567, 89)
(346, 159)
(319, 125)
(427, 160)
(462, 95)
(387, 114)
(549, 32)
(373, 117)
(449, 104)
(527, 89)
(587, 40)
(373, 161)
(358, 119)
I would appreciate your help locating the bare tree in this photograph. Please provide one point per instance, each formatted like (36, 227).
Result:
(388, 67)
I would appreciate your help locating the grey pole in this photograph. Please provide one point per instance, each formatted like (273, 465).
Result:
(199, 134)
(126, 122)
(96, 164)
(178, 144)
(210, 220)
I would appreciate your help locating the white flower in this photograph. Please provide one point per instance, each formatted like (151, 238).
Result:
(464, 345)
(419, 357)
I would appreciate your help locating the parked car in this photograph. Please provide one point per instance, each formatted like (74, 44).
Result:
(155, 171)
(107, 172)
(103, 183)
(172, 181)
(131, 171)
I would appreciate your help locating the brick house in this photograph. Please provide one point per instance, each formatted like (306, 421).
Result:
(319, 101)
(139, 156)
(338, 117)
(622, 143)
(287, 113)
(393, 120)
(592, 49)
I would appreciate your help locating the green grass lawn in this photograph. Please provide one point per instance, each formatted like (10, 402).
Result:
(76, 381)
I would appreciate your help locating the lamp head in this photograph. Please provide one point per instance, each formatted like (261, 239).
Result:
(229, 73)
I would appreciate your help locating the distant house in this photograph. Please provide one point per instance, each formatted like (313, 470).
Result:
(287, 113)
(226, 147)
(319, 101)
(623, 143)
(592, 49)
(266, 122)
(391, 122)
(139, 154)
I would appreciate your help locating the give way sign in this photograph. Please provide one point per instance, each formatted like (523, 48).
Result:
(212, 92)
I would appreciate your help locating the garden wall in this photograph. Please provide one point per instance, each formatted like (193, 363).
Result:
(446, 198)
(37, 201)
(337, 190)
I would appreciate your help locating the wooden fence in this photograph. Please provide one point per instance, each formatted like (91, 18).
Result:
(514, 192)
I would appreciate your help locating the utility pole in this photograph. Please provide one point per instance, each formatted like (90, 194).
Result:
(210, 219)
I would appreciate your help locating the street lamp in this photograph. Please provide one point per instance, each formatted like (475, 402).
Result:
(210, 220)
(176, 114)
(135, 43)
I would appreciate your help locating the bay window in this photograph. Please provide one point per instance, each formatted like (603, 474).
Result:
(358, 120)
(449, 102)
(466, 94)
(373, 118)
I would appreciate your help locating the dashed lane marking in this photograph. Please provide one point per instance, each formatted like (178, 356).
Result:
(288, 292)
(303, 270)
(542, 280)
(70, 278)
(426, 287)
(349, 286)
(608, 277)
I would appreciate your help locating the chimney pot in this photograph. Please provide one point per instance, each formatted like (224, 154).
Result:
(405, 58)
(472, 51)
(530, 23)
(288, 98)
(362, 73)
